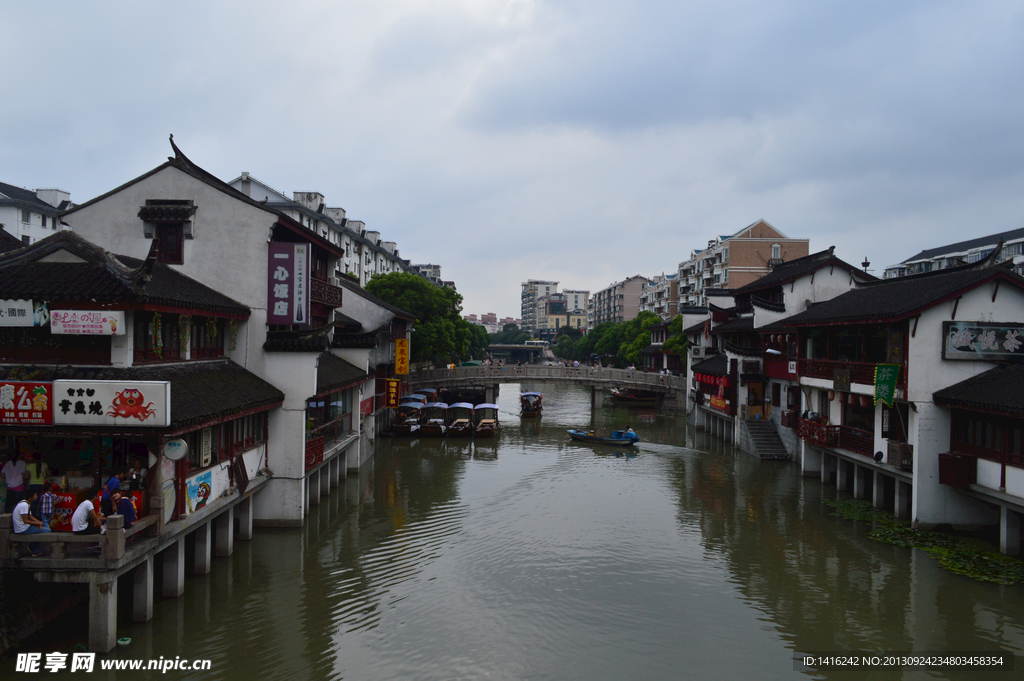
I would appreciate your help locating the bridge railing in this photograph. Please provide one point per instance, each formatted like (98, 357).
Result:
(509, 374)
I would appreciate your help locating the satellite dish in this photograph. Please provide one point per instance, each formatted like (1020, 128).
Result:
(176, 449)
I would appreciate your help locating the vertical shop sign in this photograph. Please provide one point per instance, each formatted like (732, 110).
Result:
(402, 356)
(288, 268)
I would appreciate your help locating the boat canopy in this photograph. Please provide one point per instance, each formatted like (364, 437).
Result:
(487, 406)
(529, 394)
(410, 405)
(461, 405)
(415, 397)
(439, 405)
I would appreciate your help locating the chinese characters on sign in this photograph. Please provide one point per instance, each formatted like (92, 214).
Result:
(112, 403)
(982, 340)
(24, 313)
(288, 283)
(25, 403)
(87, 322)
(392, 388)
(886, 376)
(402, 356)
(718, 403)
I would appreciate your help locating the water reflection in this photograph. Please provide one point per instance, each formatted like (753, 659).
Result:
(529, 557)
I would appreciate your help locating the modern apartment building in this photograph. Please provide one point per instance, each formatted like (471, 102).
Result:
(619, 302)
(964, 253)
(661, 296)
(735, 260)
(31, 215)
(533, 291)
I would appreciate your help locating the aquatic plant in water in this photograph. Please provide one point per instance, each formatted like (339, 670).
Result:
(953, 553)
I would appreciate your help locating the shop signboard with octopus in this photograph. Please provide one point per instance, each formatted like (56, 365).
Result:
(112, 403)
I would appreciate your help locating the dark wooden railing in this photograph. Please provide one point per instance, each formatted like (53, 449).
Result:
(817, 433)
(860, 372)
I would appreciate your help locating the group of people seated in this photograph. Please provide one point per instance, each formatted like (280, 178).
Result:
(33, 513)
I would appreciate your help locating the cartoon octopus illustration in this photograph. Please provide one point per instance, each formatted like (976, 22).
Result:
(128, 403)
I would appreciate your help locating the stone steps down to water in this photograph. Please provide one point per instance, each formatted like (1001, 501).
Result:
(767, 444)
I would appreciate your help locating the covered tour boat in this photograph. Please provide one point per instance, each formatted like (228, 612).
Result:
(531, 404)
(631, 396)
(435, 420)
(485, 420)
(460, 419)
(407, 421)
(618, 438)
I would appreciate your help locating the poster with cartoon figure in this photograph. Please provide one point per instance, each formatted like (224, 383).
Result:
(197, 491)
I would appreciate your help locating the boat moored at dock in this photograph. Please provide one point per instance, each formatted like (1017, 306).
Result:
(485, 420)
(435, 420)
(460, 420)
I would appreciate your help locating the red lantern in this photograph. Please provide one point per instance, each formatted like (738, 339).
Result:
(831, 395)
(852, 399)
(864, 401)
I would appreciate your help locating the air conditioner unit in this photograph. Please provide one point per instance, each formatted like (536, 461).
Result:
(901, 455)
(335, 281)
(697, 351)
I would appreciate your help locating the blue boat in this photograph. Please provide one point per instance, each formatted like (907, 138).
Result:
(619, 438)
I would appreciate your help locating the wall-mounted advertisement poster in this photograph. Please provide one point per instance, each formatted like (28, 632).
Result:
(87, 322)
(24, 313)
(288, 267)
(26, 403)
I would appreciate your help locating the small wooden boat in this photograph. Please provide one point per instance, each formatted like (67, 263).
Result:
(460, 419)
(485, 420)
(531, 404)
(619, 438)
(631, 396)
(414, 397)
(435, 420)
(429, 394)
(407, 422)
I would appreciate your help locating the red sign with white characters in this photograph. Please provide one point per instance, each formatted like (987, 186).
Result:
(26, 403)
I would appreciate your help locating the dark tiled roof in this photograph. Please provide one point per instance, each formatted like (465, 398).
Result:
(899, 298)
(737, 324)
(962, 246)
(334, 373)
(200, 391)
(717, 365)
(997, 390)
(9, 242)
(277, 343)
(26, 198)
(103, 278)
(794, 269)
(696, 328)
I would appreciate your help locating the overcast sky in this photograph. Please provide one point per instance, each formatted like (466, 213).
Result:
(579, 141)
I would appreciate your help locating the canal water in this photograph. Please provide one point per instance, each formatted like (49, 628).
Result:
(529, 557)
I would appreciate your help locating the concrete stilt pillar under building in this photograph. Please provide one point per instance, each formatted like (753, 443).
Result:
(1009, 531)
(842, 468)
(859, 481)
(878, 491)
(245, 519)
(224, 541)
(174, 570)
(810, 463)
(336, 468)
(903, 490)
(826, 468)
(201, 561)
(314, 488)
(325, 480)
(103, 616)
(142, 591)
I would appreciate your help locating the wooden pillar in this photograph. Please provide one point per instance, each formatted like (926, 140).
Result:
(224, 541)
(142, 591)
(174, 569)
(103, 616)
(1009, 531)
(201, 562)
(245, 519)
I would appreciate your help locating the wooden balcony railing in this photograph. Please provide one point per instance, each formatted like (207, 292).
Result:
(818, 434)
(314, 451)
(860, 372)
(842, 437)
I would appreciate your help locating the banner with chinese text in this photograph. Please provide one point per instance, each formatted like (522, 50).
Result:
(87, 322)
(112, 403)
(392, 388)
(402, 356)
(26, 403)
(288, 267)
(24, 313)
(983, 341)
(886, 377)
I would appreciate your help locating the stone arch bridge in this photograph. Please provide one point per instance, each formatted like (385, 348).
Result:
(672, 389)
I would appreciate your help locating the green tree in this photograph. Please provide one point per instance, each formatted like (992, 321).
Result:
(441, 334)
(677, 343)
(636, 335)
(510, 334)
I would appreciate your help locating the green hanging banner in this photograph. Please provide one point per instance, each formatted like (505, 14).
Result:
(886, 376)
